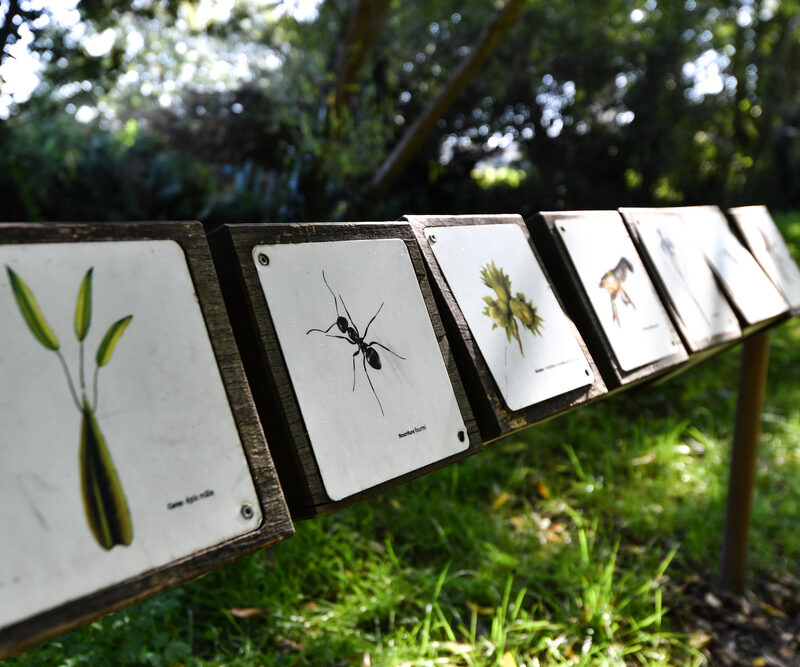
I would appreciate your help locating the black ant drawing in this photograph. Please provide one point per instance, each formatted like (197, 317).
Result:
(346, 326)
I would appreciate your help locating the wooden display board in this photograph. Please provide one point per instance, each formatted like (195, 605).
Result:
(764, 240)
(756, 300)
(683, 278)
(521, 357)
(347, 357)
(608, 293)
(131, 456)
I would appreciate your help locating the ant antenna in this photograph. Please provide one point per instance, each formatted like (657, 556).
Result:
(335, 303)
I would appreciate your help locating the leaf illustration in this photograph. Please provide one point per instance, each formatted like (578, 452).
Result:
(83, 306)
(104, 501)
(109, 341)
(31, 313)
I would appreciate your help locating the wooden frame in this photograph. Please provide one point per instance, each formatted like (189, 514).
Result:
(568, 283)
(276, 524)
(266, 366)
(708, 346)
(495, 419)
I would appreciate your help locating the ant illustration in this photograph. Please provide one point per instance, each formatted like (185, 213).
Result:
(347, 327)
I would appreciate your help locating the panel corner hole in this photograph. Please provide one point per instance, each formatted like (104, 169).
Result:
(263, 259)
(586, 370)
(562, 228)
(247, 511)
(461, 436)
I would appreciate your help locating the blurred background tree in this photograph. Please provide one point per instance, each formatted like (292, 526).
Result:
(233, 111)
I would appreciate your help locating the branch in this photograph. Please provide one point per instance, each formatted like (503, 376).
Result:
(8, 28)
(364, 25)
(411, 142)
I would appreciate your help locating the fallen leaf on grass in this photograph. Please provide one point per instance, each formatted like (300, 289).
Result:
(287, 645)
(544, 492)
(643, 460)
(773, 611)
(246, 612)
(486, 611)
(699, 640)
(500, 500)
(508, 660)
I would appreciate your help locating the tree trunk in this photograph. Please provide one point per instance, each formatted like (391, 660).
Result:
(411, 142)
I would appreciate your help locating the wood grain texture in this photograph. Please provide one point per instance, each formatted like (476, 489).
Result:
(276, 524)
(712, 344)
(266, 367)
(579, 307)
(494, 418)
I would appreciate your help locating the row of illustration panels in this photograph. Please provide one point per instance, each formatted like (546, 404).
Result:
(133, 452)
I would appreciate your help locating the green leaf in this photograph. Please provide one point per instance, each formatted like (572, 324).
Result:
(109, 341)
(104, 501)
(83, 306)
(30, 312)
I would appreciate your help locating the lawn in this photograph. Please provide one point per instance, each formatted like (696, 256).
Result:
(574, 542)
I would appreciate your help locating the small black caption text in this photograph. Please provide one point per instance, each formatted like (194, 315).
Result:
(412, 431)
(188, 500)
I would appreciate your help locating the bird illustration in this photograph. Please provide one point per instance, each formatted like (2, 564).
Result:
(612, 281)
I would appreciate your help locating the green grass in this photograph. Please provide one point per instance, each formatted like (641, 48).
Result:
(557, 546)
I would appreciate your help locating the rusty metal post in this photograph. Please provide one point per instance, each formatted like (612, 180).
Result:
(752, 383)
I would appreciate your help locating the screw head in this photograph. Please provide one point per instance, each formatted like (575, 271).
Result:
(432, 238)
(247, 511)
(263, 259)
(461, 436)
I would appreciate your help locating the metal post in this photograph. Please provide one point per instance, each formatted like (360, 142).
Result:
(752, 383)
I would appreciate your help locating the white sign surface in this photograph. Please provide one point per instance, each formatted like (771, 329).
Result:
(109, 470)
(363, 359)
(752, 292)
(511, 311)
(769, 248)
(616, 283)
(680, 262)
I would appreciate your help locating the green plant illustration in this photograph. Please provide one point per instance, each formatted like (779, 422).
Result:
(505, 310)
(104, 500)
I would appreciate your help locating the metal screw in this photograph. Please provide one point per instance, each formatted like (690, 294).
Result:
(461, 436)
(432, 238)
(263, 259)
(247, 511)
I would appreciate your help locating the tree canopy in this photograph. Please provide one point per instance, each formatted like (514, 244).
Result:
(355, 109)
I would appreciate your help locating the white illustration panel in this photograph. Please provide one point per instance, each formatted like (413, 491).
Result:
(616, 282)
(750, 288)
(701, 306)
(363, 359)
(769, 248)
(118, 451)
(511, 311)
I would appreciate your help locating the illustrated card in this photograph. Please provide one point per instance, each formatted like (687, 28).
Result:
(515, 319)
(619, 289)
(363, 359)
(767, 245)
(699, 303)
(748, 286)
(118, 448)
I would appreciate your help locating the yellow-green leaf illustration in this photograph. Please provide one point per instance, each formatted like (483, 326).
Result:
(30, 311)
(83, 306)
(103, 499)
(505, 310)
(104, 502)
(109, 341)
